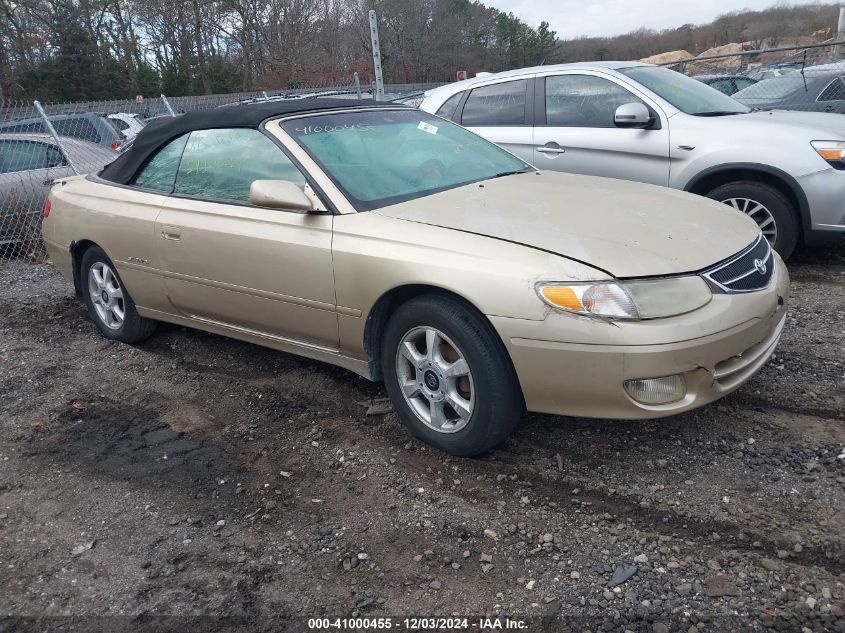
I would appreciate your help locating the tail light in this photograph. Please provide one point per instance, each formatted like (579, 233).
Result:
(48, 206)
(116, 146)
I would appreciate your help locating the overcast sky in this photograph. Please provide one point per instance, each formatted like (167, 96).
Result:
(571, 18)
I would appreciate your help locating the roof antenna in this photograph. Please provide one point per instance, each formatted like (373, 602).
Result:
(803, 76)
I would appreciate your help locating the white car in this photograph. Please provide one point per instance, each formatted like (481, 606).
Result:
(786, 170)
(127, 123)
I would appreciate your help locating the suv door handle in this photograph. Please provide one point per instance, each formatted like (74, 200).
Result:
(551, 148)
(170, 233)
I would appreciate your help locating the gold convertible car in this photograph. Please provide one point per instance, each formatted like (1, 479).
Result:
(407, 249)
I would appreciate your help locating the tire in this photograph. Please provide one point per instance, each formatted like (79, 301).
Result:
(747, 196)
(489, 395)
(131, 327)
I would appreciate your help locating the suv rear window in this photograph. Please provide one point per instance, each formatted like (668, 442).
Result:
(447, 110)
(499, 104)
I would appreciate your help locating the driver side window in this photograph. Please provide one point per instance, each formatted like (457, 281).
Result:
(159, 173)
(583, 101)
(222, 164)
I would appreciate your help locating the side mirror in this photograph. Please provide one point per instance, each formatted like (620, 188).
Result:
(632, 115)
(279, 194)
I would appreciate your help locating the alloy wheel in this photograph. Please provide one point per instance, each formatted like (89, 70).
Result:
(435, 379)
(759, 213)
(106, 295)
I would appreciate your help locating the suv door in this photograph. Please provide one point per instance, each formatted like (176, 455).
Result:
(574, 130)
(501, 112)
(225, 261)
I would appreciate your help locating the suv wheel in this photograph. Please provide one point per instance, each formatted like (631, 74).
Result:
(449, 377)
(768, 207)
(108, 301)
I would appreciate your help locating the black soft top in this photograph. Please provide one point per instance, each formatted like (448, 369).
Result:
(161, 131)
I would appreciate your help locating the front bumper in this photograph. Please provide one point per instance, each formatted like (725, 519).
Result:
(569, 365)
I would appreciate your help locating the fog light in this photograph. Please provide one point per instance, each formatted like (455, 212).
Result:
(657, 390)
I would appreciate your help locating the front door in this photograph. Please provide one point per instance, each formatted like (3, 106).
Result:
(578, 134)
(228, 262)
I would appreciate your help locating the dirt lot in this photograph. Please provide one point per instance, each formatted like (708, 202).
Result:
(198, 476)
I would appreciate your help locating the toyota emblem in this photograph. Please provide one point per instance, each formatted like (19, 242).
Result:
(760, 265)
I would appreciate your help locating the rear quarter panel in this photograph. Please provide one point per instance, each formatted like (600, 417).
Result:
(119, 220)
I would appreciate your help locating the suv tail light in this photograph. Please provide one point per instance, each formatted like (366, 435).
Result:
(116, 146)
(48, 206)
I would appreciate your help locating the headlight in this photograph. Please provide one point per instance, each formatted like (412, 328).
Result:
(832, 151)
(645, 299)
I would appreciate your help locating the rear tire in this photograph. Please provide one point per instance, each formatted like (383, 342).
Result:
(768, 207)
(108, 302)
(458, 359)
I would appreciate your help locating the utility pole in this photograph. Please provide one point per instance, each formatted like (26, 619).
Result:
(379, 95)
(840, 32)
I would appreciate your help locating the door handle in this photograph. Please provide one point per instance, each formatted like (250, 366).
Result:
(170, 234)
(551, 148)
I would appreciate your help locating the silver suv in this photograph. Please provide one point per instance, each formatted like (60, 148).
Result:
(647, 123)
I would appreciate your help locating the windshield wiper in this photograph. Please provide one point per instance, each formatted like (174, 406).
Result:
(511, 173)
(718, 113)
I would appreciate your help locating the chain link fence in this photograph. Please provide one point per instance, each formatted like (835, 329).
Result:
(42, 142)
(807, 78)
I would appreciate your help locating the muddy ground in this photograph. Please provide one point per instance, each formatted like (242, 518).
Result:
(195, 475)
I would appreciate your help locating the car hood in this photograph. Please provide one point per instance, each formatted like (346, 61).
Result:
(830, 126)
(623, 228)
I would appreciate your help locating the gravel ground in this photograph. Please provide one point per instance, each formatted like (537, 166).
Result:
(195, 475)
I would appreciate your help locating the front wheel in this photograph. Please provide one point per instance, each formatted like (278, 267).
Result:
(108, 301)
(768, 207)
(449, 376)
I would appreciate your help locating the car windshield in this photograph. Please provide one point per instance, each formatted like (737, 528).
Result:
(685, 93)
(774, 88)
(384, 157)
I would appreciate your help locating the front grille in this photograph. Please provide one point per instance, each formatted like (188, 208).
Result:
(750, 270)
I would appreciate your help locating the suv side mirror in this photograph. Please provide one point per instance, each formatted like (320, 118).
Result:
(279, 194)
(632, 115)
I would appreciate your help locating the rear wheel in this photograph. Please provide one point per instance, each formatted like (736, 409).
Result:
(449, 376)
(108, 301)
(768, 207)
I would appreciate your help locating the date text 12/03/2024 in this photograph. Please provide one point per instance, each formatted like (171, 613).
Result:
(417, 624)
